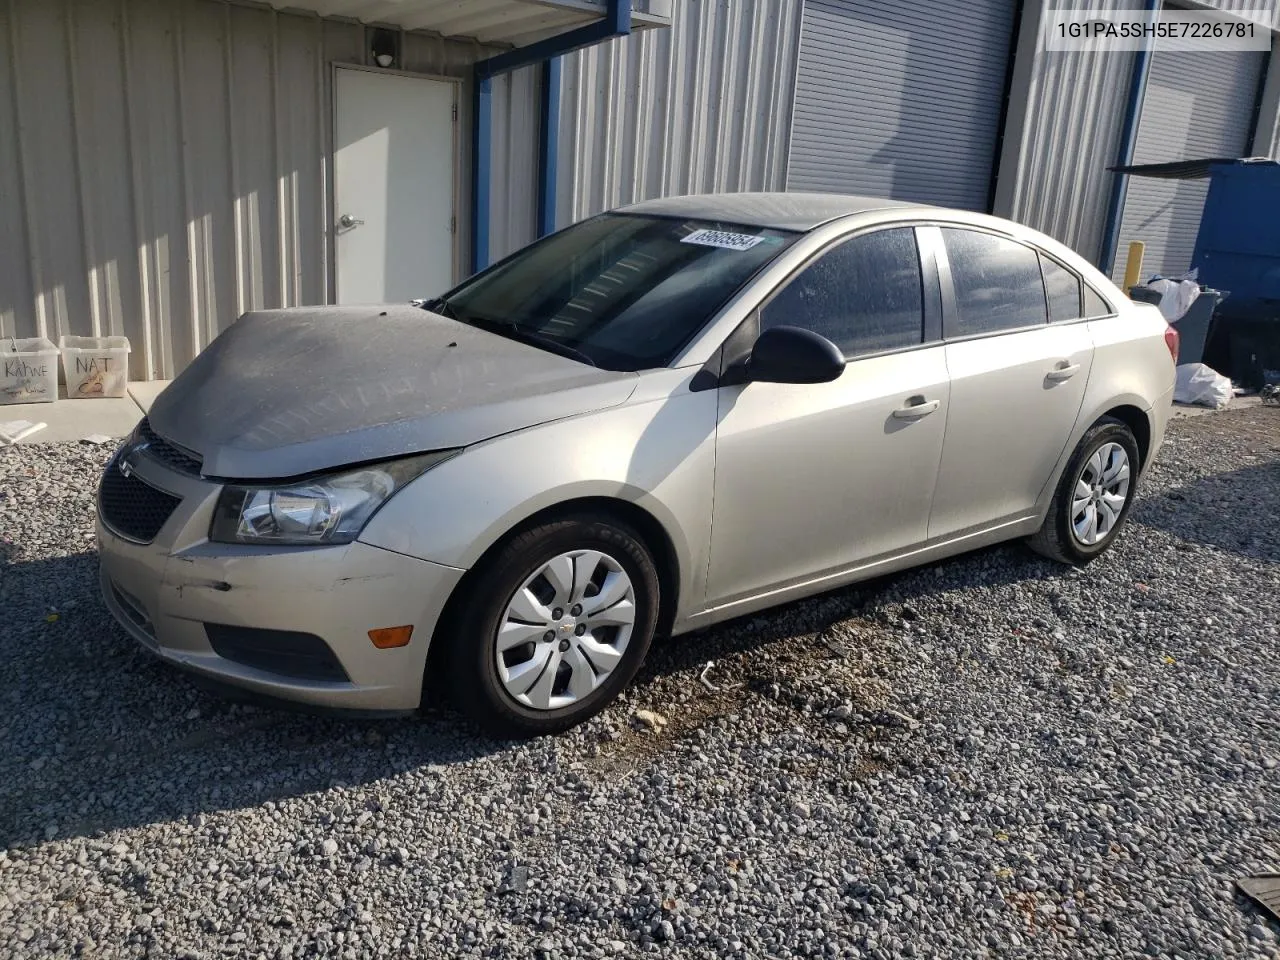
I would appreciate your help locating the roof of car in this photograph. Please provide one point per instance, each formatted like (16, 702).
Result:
(780, 211)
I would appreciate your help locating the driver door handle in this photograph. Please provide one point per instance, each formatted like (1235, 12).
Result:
(1063, 371)
(916, 408)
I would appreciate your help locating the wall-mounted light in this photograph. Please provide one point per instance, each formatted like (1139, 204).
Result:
(384, 45)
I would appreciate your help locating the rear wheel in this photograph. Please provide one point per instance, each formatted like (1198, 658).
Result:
(1093, 497)
(555, 625)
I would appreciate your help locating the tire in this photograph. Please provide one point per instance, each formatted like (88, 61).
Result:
(1057, 537)
(591, 651)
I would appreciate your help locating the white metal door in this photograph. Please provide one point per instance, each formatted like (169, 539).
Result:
(393, 186)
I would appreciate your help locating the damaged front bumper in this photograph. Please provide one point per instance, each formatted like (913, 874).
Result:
(286, 623)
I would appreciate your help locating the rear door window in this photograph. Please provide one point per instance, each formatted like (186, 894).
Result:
(1063, 290)
(997, 284)
(1094, 304)
(864, 295)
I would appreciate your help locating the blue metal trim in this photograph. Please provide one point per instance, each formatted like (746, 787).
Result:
(616, 23)
(618, 17)
(548, 146)
(1128, 141)
(481, 168)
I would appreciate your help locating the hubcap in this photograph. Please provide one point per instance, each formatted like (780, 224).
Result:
(1100, 494)
(565, 629)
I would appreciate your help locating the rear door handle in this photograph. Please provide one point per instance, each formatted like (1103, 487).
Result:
(916, 408)
(1063, 371)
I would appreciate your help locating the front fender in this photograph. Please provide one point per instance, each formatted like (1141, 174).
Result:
(658, 455)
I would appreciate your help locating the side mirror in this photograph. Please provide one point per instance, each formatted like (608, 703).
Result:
(794, 355)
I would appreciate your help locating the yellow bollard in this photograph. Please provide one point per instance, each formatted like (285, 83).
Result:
(1133, 267)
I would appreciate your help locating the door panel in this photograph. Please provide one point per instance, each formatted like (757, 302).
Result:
(812, 478)
(394, 180)
(1015, 398)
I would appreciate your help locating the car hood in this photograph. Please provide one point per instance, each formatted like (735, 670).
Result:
(283, 393)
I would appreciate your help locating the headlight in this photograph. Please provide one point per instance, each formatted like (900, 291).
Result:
(323, 510)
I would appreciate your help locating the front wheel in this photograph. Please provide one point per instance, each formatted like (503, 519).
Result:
(1093, 497)
(555, 625)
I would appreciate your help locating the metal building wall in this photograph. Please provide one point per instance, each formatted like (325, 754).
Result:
(1261, 11)
(704, 105)
(1070, 130)
(901, 100)
(164, 165)
(1198, 105)
(513, 216)
(1075, 114)
(1266, 142)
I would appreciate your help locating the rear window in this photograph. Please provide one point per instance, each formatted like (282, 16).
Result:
(626, 292)
(1094, 304)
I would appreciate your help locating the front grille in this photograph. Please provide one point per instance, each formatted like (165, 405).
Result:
(158, 448)
(131, 508)
(302, 656)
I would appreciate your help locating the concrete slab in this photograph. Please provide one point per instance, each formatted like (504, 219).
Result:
(74, 419)
(145, 393)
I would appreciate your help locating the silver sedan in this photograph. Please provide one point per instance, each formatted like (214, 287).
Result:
(659, 418)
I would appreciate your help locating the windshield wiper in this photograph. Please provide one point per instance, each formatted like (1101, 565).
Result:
(555, 346)
(509, 328)
(439, 305)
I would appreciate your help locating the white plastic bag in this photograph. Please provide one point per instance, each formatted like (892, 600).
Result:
(1176, 296)
(1202, 385)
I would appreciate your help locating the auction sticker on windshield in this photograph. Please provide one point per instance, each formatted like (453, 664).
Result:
(719, 238)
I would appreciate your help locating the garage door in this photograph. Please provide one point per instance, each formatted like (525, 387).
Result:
(1197, 105)
(900, 100)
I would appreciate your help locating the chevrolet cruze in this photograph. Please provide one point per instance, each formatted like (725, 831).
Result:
(659, 418)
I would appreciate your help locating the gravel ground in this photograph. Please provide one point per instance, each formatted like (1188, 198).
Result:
(993, 756)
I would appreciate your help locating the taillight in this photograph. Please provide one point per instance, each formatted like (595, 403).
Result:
(1171, 341)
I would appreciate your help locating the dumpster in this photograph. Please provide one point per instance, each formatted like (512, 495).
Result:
(1237, 249)
(1244, 343)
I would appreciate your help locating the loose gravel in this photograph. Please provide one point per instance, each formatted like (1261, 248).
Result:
(992, 756)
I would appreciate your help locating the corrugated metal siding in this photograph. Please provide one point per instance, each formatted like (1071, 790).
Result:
(1197, 105)
(513, 182)
(514, 22)
(703, 106)
(1075, 114)
(1260, 11)
(901, 100)
(164, 165)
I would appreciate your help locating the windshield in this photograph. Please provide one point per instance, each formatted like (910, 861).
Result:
(620, 291)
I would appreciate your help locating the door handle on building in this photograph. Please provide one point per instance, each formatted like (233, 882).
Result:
(1063, 371)
(347, 221)
(916, 408)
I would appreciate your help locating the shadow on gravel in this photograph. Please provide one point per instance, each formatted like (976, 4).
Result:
(1237, 511)
(100, 735)
(994, 566)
